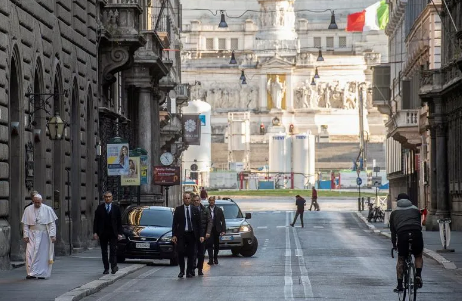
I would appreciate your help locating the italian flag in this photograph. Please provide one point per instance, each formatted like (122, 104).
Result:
(374, 17)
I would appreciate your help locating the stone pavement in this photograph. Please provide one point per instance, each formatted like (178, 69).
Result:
(432, 243)
(73, 278)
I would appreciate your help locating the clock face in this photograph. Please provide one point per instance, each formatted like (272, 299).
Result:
(166, 158)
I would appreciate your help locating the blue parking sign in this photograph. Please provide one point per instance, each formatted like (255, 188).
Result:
(359, 181)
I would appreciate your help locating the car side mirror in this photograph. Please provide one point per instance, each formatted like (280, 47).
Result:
(248, 215)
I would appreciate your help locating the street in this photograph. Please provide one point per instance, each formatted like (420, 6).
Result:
(335, 257)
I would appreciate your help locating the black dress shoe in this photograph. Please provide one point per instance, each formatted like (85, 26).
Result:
(180, 275)
(215, 261)
(189, 275)
(210, 262)
(192, 273)
(106, 271)
(31, 277)
(114, 270)
(199, 273)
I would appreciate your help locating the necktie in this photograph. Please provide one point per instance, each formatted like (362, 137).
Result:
(188, 218)
(107, 208)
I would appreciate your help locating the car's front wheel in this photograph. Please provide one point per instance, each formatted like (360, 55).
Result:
(120, 258)
(174, 261)
(252, 250)
(235, 251)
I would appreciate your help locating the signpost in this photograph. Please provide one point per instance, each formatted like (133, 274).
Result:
(376, 182)
(166, 176)
(359, 182)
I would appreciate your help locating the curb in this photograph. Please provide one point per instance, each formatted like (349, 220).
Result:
(97, 285)
(447, 264)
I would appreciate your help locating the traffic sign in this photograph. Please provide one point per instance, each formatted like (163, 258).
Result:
(376, 169)
(194, 167)
(376, 181)
(359, 181)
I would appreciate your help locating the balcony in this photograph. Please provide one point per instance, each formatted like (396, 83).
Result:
(120, 37)
(183, 93)
(404, 128)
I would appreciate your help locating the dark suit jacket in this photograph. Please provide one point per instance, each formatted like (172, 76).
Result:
(219, 221)
(206, 219)
(116, 220)
(179, 222)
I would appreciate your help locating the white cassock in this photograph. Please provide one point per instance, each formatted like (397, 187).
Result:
(39, 226)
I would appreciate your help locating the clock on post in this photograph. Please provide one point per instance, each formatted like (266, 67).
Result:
(166, 159)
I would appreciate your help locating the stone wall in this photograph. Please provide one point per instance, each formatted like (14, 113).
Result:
(48, 47)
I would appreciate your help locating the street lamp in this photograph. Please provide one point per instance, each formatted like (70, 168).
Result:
(316, 74)
(56, 127)
(233, 59)
(222, 23)
(320, 58)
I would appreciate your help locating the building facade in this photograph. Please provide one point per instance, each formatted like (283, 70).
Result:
(441, 90)
(414, 33)
(101, 66)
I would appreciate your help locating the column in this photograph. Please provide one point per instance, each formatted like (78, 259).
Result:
(441, 161)
(263, 104)
(144, 132)
(289, 93)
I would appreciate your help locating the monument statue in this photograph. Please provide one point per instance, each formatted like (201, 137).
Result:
(276, 89)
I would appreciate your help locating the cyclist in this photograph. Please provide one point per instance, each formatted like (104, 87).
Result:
(405, 219)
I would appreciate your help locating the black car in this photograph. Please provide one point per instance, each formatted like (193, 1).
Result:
(147, 234)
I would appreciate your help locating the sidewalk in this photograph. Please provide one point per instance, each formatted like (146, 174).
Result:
(432, 243)
(69, 273)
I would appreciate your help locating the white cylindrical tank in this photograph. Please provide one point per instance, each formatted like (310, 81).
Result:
(311, 160)
(239, 135)
(278, 157)
(300, 160)
(201, 155)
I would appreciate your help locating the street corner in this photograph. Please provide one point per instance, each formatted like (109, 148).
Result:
(95, 286)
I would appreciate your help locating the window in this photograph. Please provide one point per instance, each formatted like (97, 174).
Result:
(234, 44)
(221, 44)
(330, 42)
(317, 42)
(342, 43)
(209, 43)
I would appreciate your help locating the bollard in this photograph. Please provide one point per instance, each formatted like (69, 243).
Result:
(359, 204)
(362, 204)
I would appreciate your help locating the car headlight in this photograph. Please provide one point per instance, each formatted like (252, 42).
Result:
(246, 228)
(166, 238)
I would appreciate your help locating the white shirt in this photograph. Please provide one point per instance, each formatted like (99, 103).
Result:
(212, 212)
(186, 218)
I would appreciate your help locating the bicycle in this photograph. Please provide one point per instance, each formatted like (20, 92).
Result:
(408, 275)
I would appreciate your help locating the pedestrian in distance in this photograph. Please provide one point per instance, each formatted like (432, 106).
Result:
(405, 224)
(300, 203)
(107, 227)
(186, 230)
(218, 229)
(40, 235)
(314, 199)
(204, 194)
(206, 221)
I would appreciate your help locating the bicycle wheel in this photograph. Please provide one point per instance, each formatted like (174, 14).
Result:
(412, 288)
(402, 295)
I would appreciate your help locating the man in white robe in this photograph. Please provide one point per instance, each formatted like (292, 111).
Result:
(40, 235)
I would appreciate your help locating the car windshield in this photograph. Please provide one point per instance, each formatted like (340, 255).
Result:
(230, 210)
(148, 217)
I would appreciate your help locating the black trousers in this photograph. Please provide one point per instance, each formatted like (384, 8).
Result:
(301, 217)
(186, 247)
(200, 254)
(112, 242)
(213, 244)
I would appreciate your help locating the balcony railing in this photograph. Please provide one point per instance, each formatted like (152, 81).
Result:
(407, 118)
(183, 93)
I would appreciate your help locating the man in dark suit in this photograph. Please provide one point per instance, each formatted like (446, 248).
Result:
(206, 221)
(107, 226)
(186, 229)
(218, 229)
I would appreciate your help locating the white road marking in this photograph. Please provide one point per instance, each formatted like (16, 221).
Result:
(308, 290)
(318, 227)
(262, 227)
(129, 285)
(288, 282)
(281, 226)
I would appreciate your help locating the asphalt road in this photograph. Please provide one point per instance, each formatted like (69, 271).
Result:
(335, 257)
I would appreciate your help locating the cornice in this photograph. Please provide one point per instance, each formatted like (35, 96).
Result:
(395, 16)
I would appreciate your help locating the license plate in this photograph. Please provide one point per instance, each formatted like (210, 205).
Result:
(225, 237)
(143, 245)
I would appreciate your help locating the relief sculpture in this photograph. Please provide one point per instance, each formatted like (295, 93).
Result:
(231, 97)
